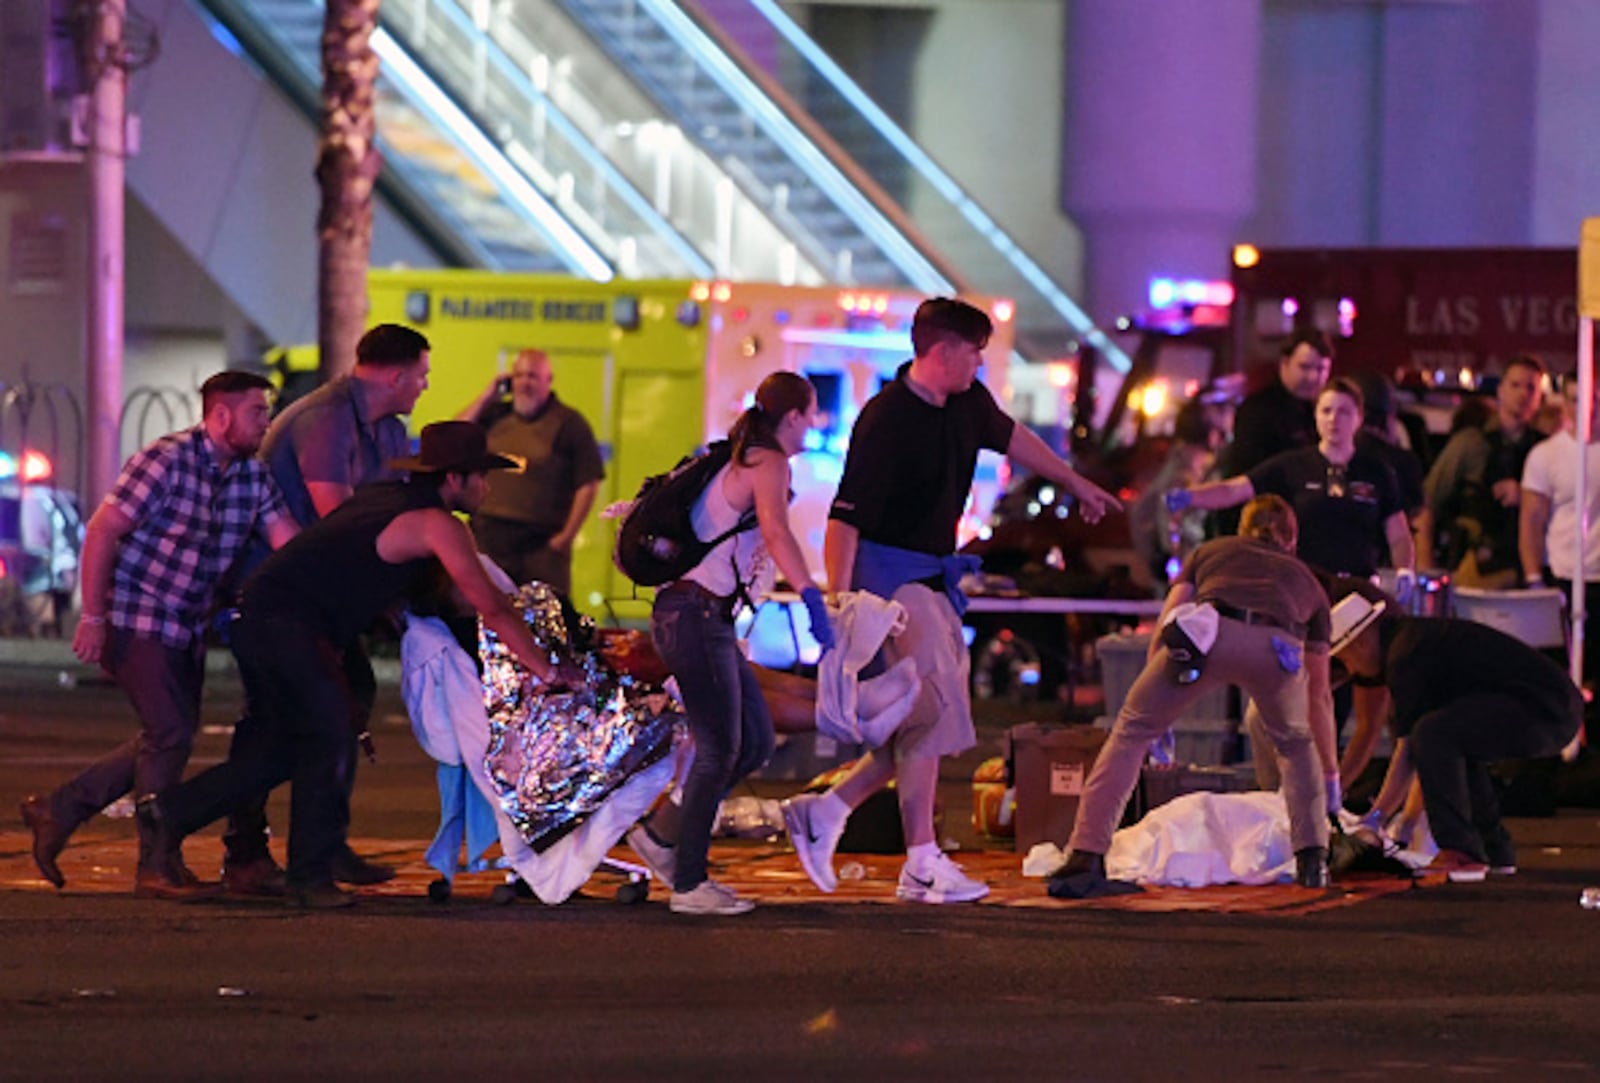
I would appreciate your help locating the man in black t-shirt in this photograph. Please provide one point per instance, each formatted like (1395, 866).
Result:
(892, 531)
(1279, 417)
(1464, 695)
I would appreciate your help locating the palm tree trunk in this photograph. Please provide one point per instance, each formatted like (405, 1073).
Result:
(347, 166)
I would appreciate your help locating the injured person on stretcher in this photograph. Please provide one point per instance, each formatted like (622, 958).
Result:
(559, 778)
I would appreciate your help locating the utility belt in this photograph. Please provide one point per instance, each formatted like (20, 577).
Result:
(1255, 616)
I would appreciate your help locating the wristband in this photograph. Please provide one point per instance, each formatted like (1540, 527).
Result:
(87, 618)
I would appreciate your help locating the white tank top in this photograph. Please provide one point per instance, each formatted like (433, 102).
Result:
(739, 559)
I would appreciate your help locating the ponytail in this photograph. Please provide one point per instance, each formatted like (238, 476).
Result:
(757, 427)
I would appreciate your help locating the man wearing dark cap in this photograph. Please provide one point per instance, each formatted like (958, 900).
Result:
(1464, 696)
(302, 611)
(892, 531)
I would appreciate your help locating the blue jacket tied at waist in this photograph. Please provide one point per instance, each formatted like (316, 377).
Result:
(882, 569)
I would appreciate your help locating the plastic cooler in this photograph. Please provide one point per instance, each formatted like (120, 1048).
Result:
(1533, 616)
(1204, 734)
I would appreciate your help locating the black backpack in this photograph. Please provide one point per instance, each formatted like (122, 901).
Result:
(656, 542)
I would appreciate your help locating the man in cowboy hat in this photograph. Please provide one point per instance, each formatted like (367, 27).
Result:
(302, 610)
(1464, 696)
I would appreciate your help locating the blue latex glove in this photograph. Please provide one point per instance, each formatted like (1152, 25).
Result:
(817, 611)
(1405, 585)
(1164, 749)
(1335, 794)
(1179, 500)
(1374, 820)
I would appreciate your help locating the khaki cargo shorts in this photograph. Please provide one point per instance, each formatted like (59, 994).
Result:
(940, 722)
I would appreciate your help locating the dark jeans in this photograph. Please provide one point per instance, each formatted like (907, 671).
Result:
(245, 839)
(1452, 748)
(728, 717)
(163, 684)
(298, 727)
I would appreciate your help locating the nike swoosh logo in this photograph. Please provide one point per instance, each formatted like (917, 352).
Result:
(805, 819)
(928, 883)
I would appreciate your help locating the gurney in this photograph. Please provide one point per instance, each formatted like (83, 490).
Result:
(565, 773)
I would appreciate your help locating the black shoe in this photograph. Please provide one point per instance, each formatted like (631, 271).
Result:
(1084, 877)
(322, 895)
(1080, 862)
(350, 867)
(1311, 867)
(48, 838)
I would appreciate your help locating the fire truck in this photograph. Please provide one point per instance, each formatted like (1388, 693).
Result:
(1437, 321)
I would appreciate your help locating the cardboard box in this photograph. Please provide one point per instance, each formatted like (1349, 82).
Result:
(1049, 766)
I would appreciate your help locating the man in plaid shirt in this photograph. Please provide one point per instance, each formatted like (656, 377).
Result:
(180, 514)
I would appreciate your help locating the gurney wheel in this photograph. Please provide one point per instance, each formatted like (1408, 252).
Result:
(503, 894)
(439, 890)
(634, 891)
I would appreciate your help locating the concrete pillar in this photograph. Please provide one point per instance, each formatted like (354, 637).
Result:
(106, 153)
(1159, 150)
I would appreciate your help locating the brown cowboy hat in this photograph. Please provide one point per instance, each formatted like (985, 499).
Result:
(452, 447)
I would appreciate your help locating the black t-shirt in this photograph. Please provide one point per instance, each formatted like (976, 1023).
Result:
(909, 468)
(330, 575)
(1405, 464)
(1431, 662)
(1341, 510)
(1267, 423)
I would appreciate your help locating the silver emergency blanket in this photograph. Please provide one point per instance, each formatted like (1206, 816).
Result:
(554, 757)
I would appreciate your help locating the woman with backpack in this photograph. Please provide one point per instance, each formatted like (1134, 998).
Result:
(692, 624)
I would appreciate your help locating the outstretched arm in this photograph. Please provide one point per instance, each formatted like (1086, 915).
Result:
(435, 532)
(1027, 450)
(1216, 495)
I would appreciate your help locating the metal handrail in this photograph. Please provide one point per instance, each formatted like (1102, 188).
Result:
(905, 150)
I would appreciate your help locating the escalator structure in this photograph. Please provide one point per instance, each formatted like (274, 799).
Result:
(628, 138)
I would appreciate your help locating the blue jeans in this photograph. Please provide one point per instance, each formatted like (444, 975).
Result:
(728, 718)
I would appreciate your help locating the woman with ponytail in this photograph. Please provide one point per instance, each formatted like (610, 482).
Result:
(692, 624)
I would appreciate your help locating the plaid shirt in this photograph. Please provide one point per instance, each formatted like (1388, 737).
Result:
(191, 522)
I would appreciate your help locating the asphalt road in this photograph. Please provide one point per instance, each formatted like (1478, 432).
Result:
(1498, 980)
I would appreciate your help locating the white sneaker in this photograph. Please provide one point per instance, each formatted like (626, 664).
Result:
(710, 897)
(813, 842)
(658, 857)
(938, 880)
